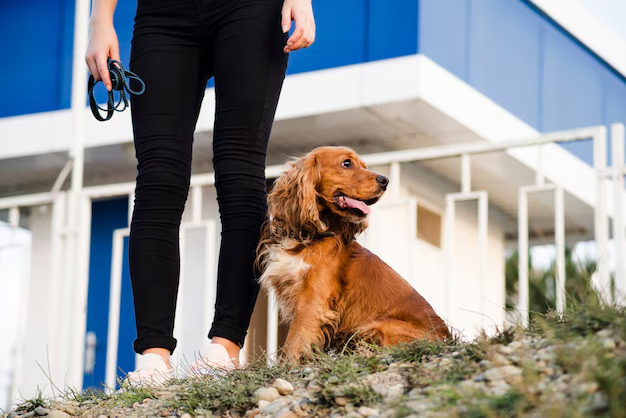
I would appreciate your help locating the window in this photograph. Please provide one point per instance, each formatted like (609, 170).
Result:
(428, 226)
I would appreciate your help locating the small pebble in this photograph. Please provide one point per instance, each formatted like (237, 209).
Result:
(266, 394)
(608, 343)
(262, 404)
(505, 349)
(41, 411)
(366, 411)
(283, 386)
(57, 414)
(510, 374)
(314, 385)
(341, 400)
(185, 415)
(285, 413)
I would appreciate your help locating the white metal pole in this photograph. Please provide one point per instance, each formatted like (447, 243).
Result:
(74, 301)
(272, 328)
(601, 217)
(559, 239)
(196, 204)
(80, 319)
(540, 179)
(131, 207)
(617, 138)
(394, 174)
(211, 273)
(115, 295)
(57, 256)
(466, 174)
(448, 234)
(522, 250)
(14, 217)
(483, 222)
(180, 301)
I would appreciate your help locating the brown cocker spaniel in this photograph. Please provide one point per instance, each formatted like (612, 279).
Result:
(329, 287)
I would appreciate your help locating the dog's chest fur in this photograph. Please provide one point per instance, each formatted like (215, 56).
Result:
(285, 272)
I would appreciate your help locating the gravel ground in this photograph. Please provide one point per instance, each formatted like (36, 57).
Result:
(553, 370)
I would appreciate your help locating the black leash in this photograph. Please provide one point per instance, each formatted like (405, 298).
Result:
(120, 81)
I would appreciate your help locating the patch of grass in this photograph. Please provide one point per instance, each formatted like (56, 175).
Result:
(509, 404)
(580, 320)
(75, 395)
(342, 376)
(27, 405)
(357, 393)
(130, 394)
(400, 408)
(230, 392)
(417, 351)
(611, 377)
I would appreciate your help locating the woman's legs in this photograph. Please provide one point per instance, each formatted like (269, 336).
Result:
(245, 45)
(168, 56)
(249, 67)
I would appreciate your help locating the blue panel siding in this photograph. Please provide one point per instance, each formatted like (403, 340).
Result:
(392, 31)
(107, 216)
(36, 73)
(443, 27)
(572, 90)
(523, 61)
(348, 32)
(504, 70)
(505, 49)
(572, 86)
(340, 37)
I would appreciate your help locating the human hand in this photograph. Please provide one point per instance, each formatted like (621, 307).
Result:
(103, 44)
(301, 12)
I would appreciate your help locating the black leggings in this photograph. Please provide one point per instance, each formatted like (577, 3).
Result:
(177, 46)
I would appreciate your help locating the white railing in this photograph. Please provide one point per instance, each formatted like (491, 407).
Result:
(72, 339)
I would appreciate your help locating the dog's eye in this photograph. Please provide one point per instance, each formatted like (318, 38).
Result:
(346, 163)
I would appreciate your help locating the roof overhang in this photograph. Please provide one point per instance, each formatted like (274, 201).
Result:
(401, 103)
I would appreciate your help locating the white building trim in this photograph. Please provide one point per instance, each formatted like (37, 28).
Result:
(350, 87)
(588, 29)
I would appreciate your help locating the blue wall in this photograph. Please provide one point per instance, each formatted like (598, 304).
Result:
(107, 216)
(36, 51)
(349, 32)
(524, 62)
(504, 48)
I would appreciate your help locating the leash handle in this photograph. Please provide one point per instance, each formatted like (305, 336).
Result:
(120, 81)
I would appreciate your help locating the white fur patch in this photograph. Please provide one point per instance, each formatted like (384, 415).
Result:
(286, 272)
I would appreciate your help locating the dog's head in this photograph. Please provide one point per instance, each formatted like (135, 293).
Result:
(327, 190)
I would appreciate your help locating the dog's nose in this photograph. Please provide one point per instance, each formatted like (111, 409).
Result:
(383, 181)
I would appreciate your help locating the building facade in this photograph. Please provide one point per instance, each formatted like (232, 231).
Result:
(415, 86)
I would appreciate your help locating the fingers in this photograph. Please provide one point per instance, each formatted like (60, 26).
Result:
(285, 22)
(103, 70)
(93, 68)
(115, 52)
(102, 45)
(296, 36)
(303, 36)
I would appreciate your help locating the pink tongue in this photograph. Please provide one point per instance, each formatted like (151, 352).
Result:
(357, 204)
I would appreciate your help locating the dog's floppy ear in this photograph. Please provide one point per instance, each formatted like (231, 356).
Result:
(293, 206)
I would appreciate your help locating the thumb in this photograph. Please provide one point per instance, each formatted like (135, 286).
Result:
(286, 19)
